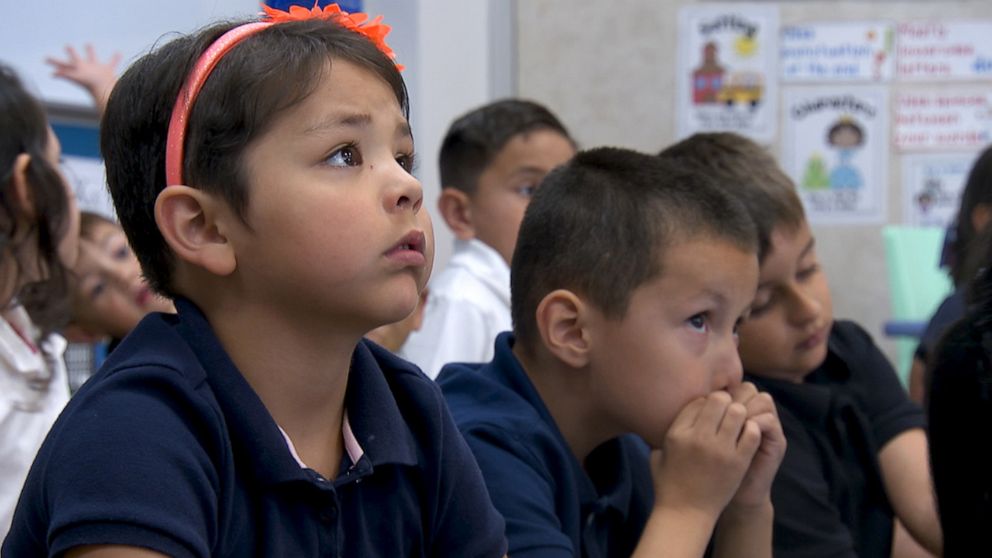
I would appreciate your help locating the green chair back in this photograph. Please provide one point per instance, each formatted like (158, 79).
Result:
(917, 284)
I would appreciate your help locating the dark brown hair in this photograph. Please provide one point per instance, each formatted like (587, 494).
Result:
(599, 225)
(262, 76)
(748, 172)
(25, 130)
(475, 138)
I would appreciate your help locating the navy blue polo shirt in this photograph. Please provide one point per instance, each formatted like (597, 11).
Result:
(554, 507)
(828, 494)
(169, 448)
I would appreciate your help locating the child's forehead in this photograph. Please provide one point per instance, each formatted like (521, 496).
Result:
(346, 95)
(700, 261)
(100, 232)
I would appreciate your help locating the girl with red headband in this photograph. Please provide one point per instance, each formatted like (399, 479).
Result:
(262, 173)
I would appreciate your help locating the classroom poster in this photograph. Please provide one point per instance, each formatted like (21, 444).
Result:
(932, 184)
(835, 147)
(949, 119)
(728, 70)
(830, 52)
(944, 50)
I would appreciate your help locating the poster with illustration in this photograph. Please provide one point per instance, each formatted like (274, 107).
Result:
(830, 52)
(835, 147)
(932, 184)
(728, 70)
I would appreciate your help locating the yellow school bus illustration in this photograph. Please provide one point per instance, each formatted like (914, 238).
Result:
(744, 88)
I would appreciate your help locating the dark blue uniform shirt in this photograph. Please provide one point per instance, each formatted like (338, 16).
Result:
(169, 448)
(828, 494)
(553, 506)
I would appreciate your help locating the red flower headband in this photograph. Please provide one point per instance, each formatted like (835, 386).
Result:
(374, 30)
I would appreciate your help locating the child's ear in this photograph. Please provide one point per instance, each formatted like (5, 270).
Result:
(456, 209)
(561, 321)
(193, 223)
(20, 187)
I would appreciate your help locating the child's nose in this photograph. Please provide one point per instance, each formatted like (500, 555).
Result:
(124, 274)
(730, 365)
(803, 307)
(405, 192)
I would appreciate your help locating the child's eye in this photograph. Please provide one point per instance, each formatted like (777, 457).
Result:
(807, 272)
(698, 323)
(527, 190)
(97, 290)
(122, 253)
(760, 308)
(347, 156)
(408, 162)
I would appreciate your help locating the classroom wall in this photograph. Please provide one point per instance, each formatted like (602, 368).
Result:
(608, 70)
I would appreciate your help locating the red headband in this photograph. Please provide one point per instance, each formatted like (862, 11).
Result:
(374, 30)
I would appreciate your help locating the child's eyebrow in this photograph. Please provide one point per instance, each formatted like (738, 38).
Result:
(529, 170)
(354, 120)
(351, 120)
(108, 240)
(808, 248)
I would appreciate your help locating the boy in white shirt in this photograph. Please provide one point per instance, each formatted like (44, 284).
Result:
(492, 159)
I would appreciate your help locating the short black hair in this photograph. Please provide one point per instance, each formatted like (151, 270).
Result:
(749, 173)
(599, 225)
(263, 75)
(25, 130)
(474, 139)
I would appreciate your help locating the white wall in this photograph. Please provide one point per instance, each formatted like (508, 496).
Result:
(458, 55)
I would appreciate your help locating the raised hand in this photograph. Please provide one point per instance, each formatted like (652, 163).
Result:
(88, 71)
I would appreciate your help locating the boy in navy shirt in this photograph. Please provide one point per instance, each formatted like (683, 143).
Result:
(857, 454)
(276, 206)
(628, 281)
(492, 160)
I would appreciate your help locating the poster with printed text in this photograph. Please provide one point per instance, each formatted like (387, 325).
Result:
(944, 50)
(931, 186)
(728, 70)
(859, 51)
(958, 118)
(835, 148)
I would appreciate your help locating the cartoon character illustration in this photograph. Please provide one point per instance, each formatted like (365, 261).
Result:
(707, 79)
(845, 136)
(815, 177)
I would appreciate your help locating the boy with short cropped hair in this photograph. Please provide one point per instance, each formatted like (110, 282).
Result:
(629, 279)
(275, 204)
(492, 160)
(857, 454)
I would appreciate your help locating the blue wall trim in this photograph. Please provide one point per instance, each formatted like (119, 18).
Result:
(78, 139)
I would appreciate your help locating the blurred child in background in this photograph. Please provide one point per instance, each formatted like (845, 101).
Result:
(109, 295)
(492, 160)
(39, 229)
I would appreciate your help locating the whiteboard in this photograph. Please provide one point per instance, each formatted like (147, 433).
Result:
(31, 30)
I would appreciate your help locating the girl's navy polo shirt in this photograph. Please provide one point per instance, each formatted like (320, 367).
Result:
(169, 448)
(553, 505)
